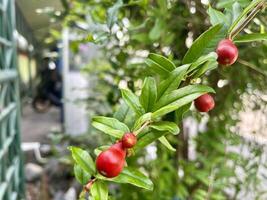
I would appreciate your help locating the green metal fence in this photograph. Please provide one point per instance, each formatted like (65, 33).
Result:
(11, 170)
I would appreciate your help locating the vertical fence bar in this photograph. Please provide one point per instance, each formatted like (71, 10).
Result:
(11, 163)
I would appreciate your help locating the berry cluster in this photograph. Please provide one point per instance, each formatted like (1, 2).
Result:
(227, 55)
(110, 163)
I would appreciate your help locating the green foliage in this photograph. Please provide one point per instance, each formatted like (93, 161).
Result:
(200, 44)
(81, 175)
(110, 126)
(132, 176)
(149, 94)
(166, 98)
(83, 159)
(99, 190)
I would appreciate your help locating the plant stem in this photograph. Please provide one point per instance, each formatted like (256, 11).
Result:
(252, 66)
(142, 128)
(88, 186)
(250, 17)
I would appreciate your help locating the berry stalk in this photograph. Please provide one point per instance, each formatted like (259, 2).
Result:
(248, 19)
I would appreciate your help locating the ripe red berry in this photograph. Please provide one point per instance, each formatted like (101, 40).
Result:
(204, 103)
(227, 52)
(129, 140)
(111, 162)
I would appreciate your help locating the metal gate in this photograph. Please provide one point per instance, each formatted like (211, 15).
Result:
(11, 166)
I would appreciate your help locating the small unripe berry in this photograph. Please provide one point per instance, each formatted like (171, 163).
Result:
(227, 52)
(128, 140)
(204, 103)
(110, 163)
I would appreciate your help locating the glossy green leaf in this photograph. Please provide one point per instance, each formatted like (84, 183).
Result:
(99, 190)
(132, 176)
(166, 126)
(141, 120)
(122, 112)
(250, 37)
(212, 56)
(200, 44)
(180, 112)
(173, 81)
(208, 66)
(180, 93)
(177, 104)
(81, 175)
(162, 61)
(157, 68)
(216, 16)
(166, 143)
(149, 94)
(83, 159)
(110, 126)
(132, 101)
(148, 138)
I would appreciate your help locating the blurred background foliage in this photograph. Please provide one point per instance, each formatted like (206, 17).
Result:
(218, 155)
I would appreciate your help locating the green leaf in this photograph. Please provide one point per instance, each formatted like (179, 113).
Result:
(81, 175)
(113, 12)
(157, 68)
(212, 56)
(200, 44)
(149, 94)
(132, 101)
(166, 126)
(236, 11)
(250, 37)
(180, 93)
(155, 32)
(148, 138)
(216, 16)
(141, 120)
(173, 81)
(208, 66)
(122, 112)
(110, 126)
(177, 104)
(99, 190)
(132, 176)
(162, 61)
(83, 159)
(249, 8)
(180, 112)
(166, 143)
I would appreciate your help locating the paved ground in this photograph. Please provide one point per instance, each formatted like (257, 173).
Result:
(36, 126)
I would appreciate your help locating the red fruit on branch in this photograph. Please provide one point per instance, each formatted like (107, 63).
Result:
(204, 103)
(111, 162)
(128, 140)
(227, 52)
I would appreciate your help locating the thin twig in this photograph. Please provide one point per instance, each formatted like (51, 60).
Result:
(142, 128)
(250, 17)
(252, 66)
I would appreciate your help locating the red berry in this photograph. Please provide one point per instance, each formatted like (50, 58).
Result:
(204, 103)
(227, 52)
(111, 162)
(129, 140)
(118, 146)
